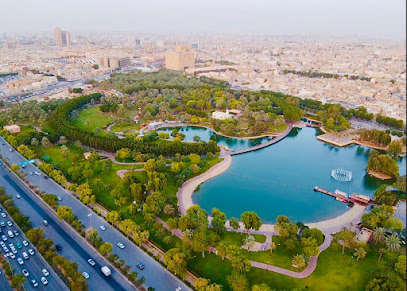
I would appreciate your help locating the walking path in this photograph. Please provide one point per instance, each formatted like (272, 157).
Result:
(112, 157)
(265, 144)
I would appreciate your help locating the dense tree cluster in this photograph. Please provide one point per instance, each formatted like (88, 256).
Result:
(332, 119)
(382, 163)
(375, 136)
(313, 74)
(58, 120)
(396, 123)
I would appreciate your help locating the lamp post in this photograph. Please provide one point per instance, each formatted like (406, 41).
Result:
(90, 220)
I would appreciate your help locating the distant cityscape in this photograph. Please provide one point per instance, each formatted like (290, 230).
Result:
(353, 73)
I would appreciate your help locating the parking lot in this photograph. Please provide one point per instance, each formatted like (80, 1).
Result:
(24, 258)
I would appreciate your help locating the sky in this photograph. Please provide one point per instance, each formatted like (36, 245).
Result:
(376, 18)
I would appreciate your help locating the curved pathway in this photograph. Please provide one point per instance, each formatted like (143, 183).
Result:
(265, 144)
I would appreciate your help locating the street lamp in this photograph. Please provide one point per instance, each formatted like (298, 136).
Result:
(90, 220)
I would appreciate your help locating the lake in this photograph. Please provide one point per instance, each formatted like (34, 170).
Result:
(279, 179)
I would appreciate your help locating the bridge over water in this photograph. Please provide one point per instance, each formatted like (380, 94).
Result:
(265, 144)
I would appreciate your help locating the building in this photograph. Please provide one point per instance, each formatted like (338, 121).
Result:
(114, 62)
(62, 38)
(14, 128)
(229, 114)
(361, 198)
(180, 60)
(364, 235)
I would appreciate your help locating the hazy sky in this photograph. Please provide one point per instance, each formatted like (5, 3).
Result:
(332, 17)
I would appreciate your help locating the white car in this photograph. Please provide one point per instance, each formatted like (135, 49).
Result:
(35, 284)
(102, 227)
(3, 215)
(25, 272)
(18, 196)
(91, 262)
(85, 275)
(45, 272)
(11, 255)
(44, 281)
(25, 256)
(9, 223)
(2, 244)
(38, 173)
(120, 245)
(25, 243)
(4, 238)
(5, 249)
(31, 252)
(20, 261)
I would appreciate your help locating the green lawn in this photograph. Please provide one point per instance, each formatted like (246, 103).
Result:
(53, 155)
(334, 272)
(238, 238)
(125, 126)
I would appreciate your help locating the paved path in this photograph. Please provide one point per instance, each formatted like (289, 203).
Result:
(112, 157)
(265, 144)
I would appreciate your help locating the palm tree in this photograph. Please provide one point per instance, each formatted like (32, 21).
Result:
(392, 243)
(298, 261)
(249, 242)
(360, 253)
(381, 251)
(272, 247)
(379, 234)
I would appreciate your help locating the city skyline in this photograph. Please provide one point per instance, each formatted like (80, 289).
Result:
(339, 18)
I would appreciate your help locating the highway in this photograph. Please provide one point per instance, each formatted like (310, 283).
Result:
(155, 275)
(73, 246)
(34, 264)
(4, 283)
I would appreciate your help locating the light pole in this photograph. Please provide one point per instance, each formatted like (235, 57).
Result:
(90, 220)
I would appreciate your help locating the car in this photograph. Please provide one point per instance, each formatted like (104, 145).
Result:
(3, 215)
(120, 245)
(102, 227)
(13, 250)
(20, 261)
(31, 173)
(45, 222)
(59, 198)
(2, 244)
(45, 177)
(11, 150)
(23, 166)
(178, 289)
(34, 283)
(45, 272)
(31, 252)
(140, 266)
(18, 196)
(25, 272)
(16, 233)
(25, 243)
(5, 249)
(38, 173)
(4, 238)
(44, 281)
(9, 223)
(85, 275)
(2, 224)
(25, 256)
(58, 247)
(11, 255)
(91, 262)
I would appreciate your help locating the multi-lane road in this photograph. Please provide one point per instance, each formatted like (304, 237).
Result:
(33, 264)
(155, 275)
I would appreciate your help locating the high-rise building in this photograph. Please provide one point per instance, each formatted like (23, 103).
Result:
(180, 60)
(62, 38)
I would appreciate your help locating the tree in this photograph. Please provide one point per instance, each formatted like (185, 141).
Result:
(65, 213)
(261, 287)
(381, 251)
(379, 234)
(222, 249)
(251, 220)
(17, 281)
(14, 167)
(347, 237)
(113, 217)
(176, 261)
(298, 261)
(149, 166)
(394, 148)
(249, 241)
(392, 243)
(237, 281)
(360, 253)
(105, 248)
(393, 224)
(194, 158)
(169, 209)
(137, 192)
(64, 150)
(200, 242)
(218, 221)
(313, 233)
(310, 246)
(273, 246)
(400, 266)
(234, 223)
(50, 199)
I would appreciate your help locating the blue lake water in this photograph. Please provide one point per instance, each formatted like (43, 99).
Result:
(206, 134)
(279, 179)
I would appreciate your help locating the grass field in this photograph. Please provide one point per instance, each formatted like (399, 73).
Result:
(334, 272)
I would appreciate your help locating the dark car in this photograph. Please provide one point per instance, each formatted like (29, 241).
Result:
(45, 177)
(58, 247)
